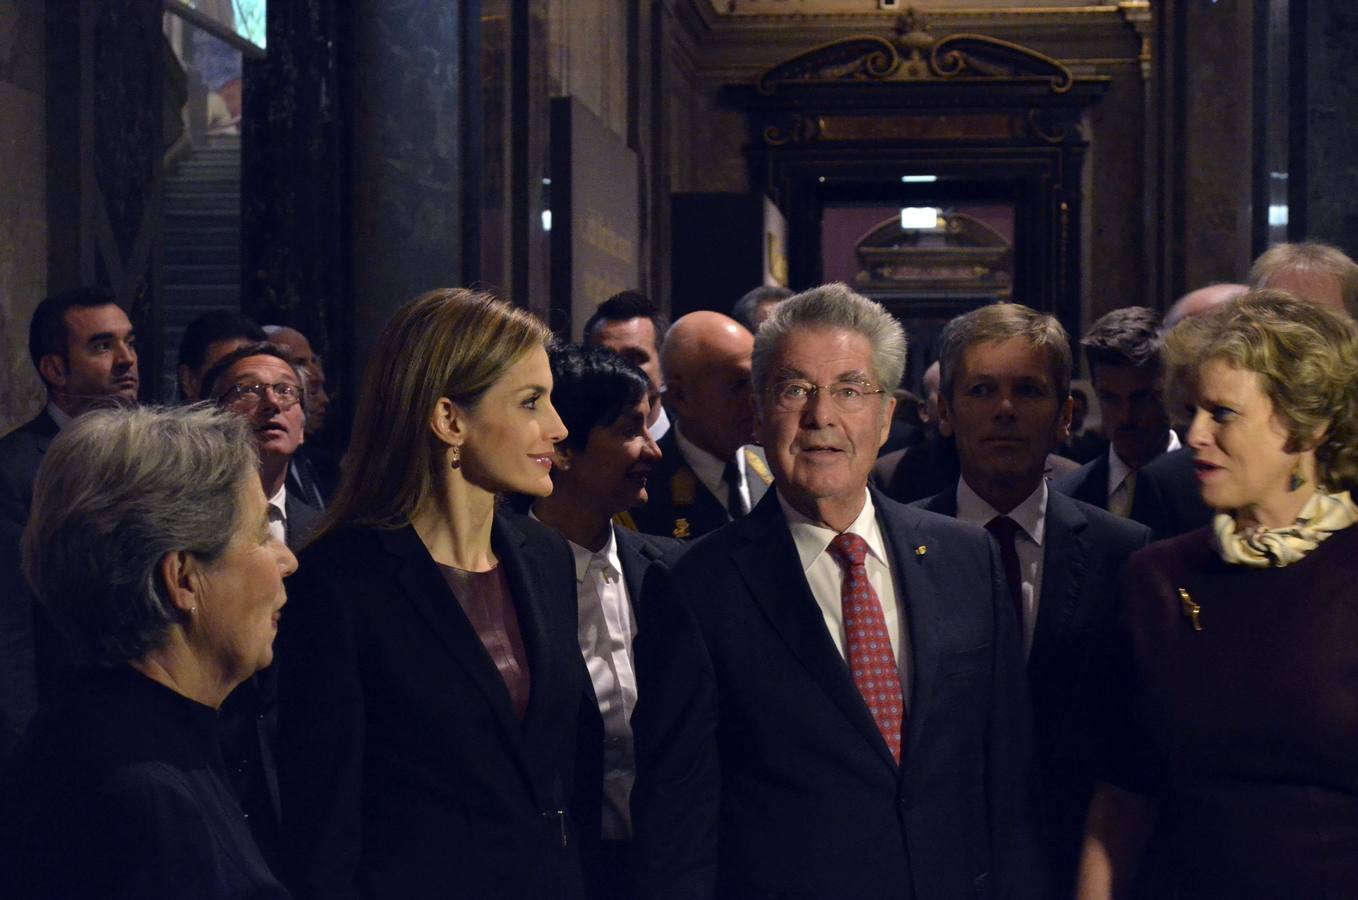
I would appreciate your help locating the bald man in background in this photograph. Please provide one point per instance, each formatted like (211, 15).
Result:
(707, 475)
(304, 358)
(1197, 302)
(1310, 270)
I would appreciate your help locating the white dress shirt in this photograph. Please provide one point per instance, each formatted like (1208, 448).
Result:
(278, 514)
(1031, 516)
(661, 425)
(58, 415)
(711, 471)
(606, 628)
(1119, 488)
(825, 577)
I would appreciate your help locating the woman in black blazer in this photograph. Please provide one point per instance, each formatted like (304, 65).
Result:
(436, 720)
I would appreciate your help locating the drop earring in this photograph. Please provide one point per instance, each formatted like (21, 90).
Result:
(1296, 479)
(455, 457)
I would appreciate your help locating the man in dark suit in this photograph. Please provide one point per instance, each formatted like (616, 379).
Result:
(1006, 398)
(707, 475)
(85, 352)
(831, 691)
(1167, 497)
(630, 325)
(601, 470)
(258, 381)
(1123, 351)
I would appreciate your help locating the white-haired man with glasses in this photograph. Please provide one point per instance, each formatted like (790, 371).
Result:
(831, 699)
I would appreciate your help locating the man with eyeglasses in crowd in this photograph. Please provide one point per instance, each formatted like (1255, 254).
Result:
(830, 690)
(259, 382)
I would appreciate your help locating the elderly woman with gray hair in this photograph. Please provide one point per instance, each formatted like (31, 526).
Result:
(149, 544)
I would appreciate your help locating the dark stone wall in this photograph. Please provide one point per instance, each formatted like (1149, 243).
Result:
(1331, 159)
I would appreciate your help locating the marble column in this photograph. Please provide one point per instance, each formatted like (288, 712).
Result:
(1326, 211)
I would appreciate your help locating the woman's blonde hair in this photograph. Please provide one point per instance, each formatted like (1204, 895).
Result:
(452, 343)
(1307, 360)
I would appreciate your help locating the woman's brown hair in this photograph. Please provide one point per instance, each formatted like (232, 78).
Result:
(452, 343)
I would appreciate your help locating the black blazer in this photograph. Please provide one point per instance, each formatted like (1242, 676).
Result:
(638, 552)
(404, 770)
(760, 771)
(1167, 497)
(1088, 484)
(302, 519)
(679, 505)
(1084, 548)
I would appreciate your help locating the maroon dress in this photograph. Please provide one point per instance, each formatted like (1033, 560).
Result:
(1245, 732)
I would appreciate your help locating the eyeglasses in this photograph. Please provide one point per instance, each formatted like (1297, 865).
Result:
(848, 396)
(248, 396)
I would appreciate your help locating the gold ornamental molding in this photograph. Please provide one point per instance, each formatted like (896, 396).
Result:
(913, 54)
(1127, 9)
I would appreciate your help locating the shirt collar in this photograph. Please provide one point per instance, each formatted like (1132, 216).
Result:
(812, 538)
(58, 415)
(1030, 515)
(279, 501)
(1119, 470)
(583, 556)
(662, 424)
(709, 469)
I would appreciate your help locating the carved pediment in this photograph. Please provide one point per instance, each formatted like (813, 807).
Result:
(962, 256)
(913, 54)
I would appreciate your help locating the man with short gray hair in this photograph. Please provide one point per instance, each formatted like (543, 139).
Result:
(831, 700)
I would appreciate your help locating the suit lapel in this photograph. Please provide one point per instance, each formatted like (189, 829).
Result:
(768, 561)
(530, 603)
(635, 555)
(921, 600)
(45, 428)
(1095, 488)
(425, 588)
(1065, 560)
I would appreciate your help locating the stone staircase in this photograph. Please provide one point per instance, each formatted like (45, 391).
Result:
(202, 242)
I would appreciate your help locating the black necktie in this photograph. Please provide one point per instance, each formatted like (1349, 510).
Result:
(1004, 529)
(734, 501)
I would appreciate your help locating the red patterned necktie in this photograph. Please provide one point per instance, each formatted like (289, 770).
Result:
(868, 644)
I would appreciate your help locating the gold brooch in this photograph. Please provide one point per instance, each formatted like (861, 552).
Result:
(1191, 610)
(681, 530)
(921, 550)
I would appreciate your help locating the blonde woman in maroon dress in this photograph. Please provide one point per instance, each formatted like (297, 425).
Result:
(1231, 747)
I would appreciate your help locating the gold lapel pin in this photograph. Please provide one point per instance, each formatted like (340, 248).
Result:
(921, 550)
(1191, 610)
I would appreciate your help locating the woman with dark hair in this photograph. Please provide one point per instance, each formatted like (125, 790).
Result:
(149, 544)
(601, 472)
(433, 705)
(1231, 752)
